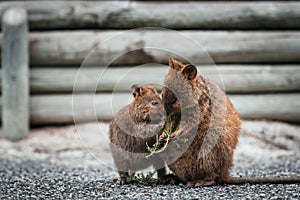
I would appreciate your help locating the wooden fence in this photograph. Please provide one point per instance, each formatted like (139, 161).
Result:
(255, 45)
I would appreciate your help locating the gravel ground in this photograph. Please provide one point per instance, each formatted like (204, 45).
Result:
(50, 164)
(22, 179)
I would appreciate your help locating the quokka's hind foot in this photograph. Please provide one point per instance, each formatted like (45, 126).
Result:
(201, 182)
(169, 179)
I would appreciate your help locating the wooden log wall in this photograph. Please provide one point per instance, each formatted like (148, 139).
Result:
(255, 46)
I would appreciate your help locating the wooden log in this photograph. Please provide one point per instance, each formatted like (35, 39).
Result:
(257, 78)
(59, 109)
(232, 78)
(283, 107)
(175, 15)
(149, 46)
(15, 76)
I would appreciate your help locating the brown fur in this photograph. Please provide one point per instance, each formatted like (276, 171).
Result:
(135, 126)
(208, 120)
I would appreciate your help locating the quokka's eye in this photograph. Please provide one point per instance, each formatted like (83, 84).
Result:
(154, 103)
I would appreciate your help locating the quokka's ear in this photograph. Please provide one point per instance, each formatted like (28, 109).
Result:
(137, 90)
(171, 63)
(174, 64)
(189, 72)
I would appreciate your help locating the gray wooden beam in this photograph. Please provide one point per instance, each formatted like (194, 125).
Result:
(175, 15)
(232, 78)
(61, 109)
(156, 46)
(15, 76)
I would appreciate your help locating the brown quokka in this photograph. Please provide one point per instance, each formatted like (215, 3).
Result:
(134, 127)
(201, 153)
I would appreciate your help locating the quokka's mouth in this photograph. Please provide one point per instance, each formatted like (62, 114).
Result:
(156, 118)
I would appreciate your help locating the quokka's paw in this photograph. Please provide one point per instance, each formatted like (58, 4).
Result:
(202, 182)
(169, 179)
(162, 137)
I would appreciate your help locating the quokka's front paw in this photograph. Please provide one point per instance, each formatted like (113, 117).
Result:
(162, 138)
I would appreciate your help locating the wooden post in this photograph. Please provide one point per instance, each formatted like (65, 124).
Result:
(15, 82)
